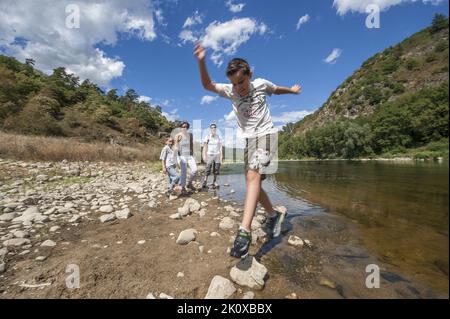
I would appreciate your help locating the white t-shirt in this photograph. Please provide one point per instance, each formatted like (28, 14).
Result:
(252, 111)
(214, 144)
(168, 155)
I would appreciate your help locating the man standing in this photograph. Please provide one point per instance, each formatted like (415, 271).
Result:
(212, 153)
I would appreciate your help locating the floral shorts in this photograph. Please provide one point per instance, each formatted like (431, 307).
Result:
(259, 153)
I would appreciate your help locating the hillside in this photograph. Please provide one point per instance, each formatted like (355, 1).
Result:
(397, 100)
(33, 103)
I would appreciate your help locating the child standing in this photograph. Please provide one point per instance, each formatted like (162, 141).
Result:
(253, 117)
(168, 158)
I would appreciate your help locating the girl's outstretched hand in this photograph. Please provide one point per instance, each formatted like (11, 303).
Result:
(296, 89)
(199, 52)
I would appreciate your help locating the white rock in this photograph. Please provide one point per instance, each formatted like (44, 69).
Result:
(48, 243)
(164, 296)
(183, 211)
(16, 242)
(248, 295)
(6, 217)
(106, 209)
(42, 178)
(191, 206)
(24, 252)
(226, 223)
(215, 234)
(249, 273)
(107, 218)
(150, 296)
(220, 288)
(180, 275)
(50, 211)
(202, 212)
(40, 258)
(135, 187)
(308, 243)
(75, 218)
(3, 252)
(54, 228)
(31, 214)
(141, 242)
(123, 214)
(20, 234)
(69, 205)
(295, 241)
(186, 236)
(175, 216)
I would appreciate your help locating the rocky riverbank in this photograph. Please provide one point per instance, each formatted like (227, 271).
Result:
(114, 224)
(107, 230)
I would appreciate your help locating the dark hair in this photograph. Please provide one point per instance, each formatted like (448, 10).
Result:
(238, 64)
(185, 123)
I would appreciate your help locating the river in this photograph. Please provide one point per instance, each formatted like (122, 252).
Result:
(391, 214)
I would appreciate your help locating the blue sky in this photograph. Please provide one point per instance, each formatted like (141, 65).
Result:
(137, 45)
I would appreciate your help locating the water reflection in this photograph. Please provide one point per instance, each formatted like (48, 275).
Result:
(401, 209)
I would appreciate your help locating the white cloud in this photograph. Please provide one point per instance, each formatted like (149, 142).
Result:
(235, 8)
(334, 55)
(289, 117)
(160, 17)
(208, 99)
(302, 20)
(345, 6)
(196, 18)
(41, 28)
(172, 115)
(144, 98)
(227, 37)
(187, 36)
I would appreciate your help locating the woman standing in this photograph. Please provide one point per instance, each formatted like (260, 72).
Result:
(185, 147)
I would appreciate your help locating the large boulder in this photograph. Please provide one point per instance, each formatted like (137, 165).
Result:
(249, 273)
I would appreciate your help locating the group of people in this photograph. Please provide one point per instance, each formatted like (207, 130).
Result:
(179, 151)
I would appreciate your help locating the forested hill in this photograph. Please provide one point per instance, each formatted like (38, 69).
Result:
(396, 101)
(33, 103)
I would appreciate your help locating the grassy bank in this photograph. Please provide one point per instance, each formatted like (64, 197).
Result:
(38, 148)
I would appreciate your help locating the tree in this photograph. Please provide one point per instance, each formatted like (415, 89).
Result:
(131, 96)
(439, 23)
(112, 95)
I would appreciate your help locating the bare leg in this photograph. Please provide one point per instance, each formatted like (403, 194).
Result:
(265, 202)
(252, 196)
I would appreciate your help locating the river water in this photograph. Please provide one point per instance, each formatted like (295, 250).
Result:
(391, 214)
